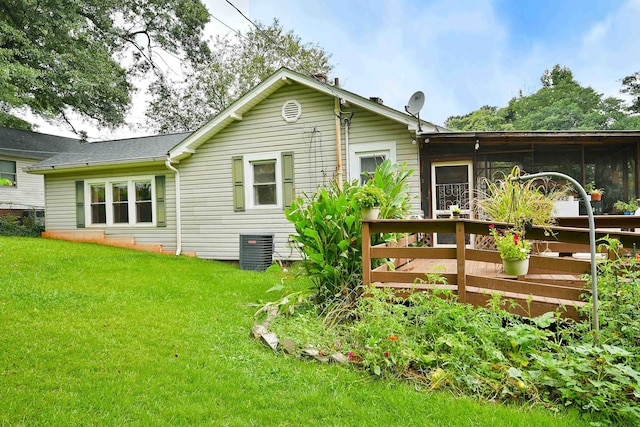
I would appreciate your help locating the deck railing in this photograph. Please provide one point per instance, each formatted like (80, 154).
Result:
(551, 281)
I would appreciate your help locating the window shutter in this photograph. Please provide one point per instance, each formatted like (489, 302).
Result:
(237, 172)
(80, 204)
(161, 205)
(288, 191)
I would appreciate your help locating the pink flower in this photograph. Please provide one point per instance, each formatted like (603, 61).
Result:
(492, 226)
(350, 355)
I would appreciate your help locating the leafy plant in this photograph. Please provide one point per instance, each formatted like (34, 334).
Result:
(623, 206)
(510, 244)
(368, 196)
(519, 203)
(393, 179)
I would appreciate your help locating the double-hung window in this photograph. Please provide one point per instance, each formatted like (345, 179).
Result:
(263, 176)
(121, 201)
(8, 171)
(364, 158)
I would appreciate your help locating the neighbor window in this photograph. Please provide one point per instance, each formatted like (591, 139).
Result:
(121, 202)
(8, 170)
(264, 180)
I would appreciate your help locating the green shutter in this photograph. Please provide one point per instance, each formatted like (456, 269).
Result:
(237, 171)
(80, 204)
(161, 205)
(288, 191)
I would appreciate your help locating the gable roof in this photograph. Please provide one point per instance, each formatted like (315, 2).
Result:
(277, 80)
(33, 145)
(115, 153)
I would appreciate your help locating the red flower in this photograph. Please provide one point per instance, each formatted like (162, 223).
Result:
(492, 226)
(386, 354)
(515, 239)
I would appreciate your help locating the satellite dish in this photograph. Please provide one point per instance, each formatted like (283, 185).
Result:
(415, 104)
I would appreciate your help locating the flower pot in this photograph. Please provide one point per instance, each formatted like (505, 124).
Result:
(370, 213)
(596, 197)
(515, 267)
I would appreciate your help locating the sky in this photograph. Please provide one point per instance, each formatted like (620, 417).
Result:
(462, 54)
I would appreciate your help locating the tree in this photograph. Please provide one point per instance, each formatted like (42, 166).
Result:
(62, 56)
(631, 85)
(560, 104)
(236, 65)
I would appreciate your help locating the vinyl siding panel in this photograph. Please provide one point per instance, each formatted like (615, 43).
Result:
(29, 191)
(61, 207)
(211, 228)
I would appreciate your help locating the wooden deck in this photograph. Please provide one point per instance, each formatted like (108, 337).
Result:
(485, 273)
(476, 275)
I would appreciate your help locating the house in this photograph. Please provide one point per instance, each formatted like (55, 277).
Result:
(455, 164)
(201, 193)
(20, 149)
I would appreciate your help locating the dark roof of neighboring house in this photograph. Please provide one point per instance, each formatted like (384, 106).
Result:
(121, 151)
(33, 145)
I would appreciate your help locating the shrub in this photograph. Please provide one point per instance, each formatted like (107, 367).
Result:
(368, 196)
(11, 225)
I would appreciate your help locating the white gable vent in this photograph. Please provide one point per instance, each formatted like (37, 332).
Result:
(291, 111)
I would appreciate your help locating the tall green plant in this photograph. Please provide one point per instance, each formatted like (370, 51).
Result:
(393, 179)
(329, 232)
(519, 203)
(330, 237)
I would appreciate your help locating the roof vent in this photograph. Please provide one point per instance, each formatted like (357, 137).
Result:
(376, 100)
(291, 111)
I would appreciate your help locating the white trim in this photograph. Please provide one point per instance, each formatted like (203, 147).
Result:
(362, 149)
(248, 179)
(131, 202)
(270, 85)
(464, 212)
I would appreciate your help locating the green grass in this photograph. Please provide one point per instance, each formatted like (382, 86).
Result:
(92, 335)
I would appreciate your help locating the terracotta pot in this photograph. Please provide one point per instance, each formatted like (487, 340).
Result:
(370, 213)
(596, 197)
(515, 267)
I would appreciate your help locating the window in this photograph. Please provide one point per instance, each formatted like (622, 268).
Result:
(8, 171)
(264, 181)
(98, 204)
(120, 202)
(365, 157)
(144, 208)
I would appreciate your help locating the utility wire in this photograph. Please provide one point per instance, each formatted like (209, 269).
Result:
(277, 46)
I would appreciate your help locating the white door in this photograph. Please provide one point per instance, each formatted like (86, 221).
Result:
(451, 184)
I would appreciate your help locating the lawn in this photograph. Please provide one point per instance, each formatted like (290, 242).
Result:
(94, 335)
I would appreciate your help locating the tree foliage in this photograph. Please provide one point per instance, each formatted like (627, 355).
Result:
(631, 86)
(560, 104)
(236, 65)
(62, 56)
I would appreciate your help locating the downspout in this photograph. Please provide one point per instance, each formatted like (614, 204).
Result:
(336, 113)
(347, 122)
(178, 207)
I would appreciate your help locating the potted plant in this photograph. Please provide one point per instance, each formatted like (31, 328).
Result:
(455, 211)
(626, 208)
(369, 198)
(596, 193)
(514, 250)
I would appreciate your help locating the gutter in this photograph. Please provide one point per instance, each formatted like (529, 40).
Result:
(178, 206)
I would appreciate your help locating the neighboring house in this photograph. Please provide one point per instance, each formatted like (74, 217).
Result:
(455, 164)
(234, 177)
(20, 149)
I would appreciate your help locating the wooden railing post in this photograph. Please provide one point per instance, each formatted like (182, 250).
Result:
(366, 254)
(460, 262)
